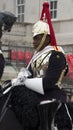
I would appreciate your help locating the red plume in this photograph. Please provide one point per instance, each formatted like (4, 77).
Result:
(46, 12)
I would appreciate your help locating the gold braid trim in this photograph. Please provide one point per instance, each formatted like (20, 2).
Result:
(60, 78)
(42, 41)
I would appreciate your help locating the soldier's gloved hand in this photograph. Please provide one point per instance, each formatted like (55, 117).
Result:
(14, 82)
(23, 74)
(18, 81)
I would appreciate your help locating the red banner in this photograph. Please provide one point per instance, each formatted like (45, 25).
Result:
(17, 55)
(28, 56)
(21, 55)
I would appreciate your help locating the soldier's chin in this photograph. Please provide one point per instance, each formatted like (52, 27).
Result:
(35, 46)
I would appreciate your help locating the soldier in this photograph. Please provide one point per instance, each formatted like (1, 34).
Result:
(7, 20)
(2, 60)
(2, 63)
(43, 78)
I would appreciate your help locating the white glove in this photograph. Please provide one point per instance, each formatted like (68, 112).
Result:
(23, 74)
(14, 82)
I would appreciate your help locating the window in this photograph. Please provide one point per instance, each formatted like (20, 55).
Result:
(53, 9)
(20, 10)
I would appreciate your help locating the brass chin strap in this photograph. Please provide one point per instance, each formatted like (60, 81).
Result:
(42, 42)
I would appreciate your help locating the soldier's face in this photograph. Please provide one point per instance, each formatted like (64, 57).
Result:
(36, 40)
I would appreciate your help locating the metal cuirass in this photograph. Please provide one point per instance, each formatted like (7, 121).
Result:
(40, 65)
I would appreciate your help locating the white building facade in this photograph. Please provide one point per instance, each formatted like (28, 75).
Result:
(29, 11)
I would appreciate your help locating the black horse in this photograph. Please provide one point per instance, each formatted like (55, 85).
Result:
(8, 120)
(51, 117)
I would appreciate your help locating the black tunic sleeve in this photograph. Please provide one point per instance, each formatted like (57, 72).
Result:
(57, 63)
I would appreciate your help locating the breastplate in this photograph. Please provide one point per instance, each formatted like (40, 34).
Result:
(40, 65)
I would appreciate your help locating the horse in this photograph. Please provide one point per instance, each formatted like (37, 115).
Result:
(8, 120)
(49, 112)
